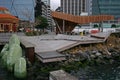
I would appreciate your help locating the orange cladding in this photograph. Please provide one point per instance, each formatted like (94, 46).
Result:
(81, 19)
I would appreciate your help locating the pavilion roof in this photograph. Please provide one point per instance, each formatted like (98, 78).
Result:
(4, 17)
(8, 18)
(3, 8)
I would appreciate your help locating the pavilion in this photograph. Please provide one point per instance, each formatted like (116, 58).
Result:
(8, 22)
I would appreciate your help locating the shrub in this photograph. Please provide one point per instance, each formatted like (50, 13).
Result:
(113, 26)
(95, 26)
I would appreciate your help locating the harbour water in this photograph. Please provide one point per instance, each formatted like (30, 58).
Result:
(93, 72)
(99, 72)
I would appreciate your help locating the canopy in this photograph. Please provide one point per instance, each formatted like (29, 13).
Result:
(8, 18)
(5, 17)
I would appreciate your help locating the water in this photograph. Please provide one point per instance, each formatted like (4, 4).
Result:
(5, 75)
(101, 72)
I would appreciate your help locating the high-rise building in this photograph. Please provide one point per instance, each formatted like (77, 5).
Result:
(74, 7)
(47, 2)
(43, 9)
(23, 9)
(109, 7)
(40, 9)
(92, 7)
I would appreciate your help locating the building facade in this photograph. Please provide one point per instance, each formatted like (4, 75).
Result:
(109, 7)
(23, 9)
(43, 9)
(49, 18)
(74, 7)
(8, 22)
(92, 7)
(47, 2)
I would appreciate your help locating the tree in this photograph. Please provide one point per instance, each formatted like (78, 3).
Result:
(95, 26)
(113, 26)
(42, 23)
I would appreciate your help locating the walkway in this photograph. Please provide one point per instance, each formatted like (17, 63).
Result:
(48, 47)
(4, 37)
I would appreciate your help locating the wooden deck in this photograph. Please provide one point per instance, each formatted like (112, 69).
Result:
(46, 57)
(47, 49)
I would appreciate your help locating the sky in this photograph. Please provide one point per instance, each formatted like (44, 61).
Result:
(54, 4)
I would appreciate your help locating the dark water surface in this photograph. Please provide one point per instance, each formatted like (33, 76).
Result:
(101, 72)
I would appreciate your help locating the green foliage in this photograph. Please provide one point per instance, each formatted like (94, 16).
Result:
(113, 26)
(33, 33)
(29, 34)
(95, 26)
(43, 22)
(72, 66)
(118, 25)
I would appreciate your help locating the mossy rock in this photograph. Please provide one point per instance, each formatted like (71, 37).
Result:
(15, 52)
(5, 48)
(20, 70)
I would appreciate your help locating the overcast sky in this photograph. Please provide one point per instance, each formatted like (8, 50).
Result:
(54, 4)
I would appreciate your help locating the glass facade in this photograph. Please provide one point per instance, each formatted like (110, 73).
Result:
(23, 9)
(71, 6)
(109, 7)
(75, 7)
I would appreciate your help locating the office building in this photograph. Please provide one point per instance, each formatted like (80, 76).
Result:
(23, 9)
(47, 2)
(92, 7)
(74, 7)
(40, 9)
(109, 7)
(43, 9)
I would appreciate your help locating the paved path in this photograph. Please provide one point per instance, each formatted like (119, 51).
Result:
(4, 37)
(46, 43)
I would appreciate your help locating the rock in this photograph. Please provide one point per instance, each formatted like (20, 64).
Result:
(107, 57)
(94, 52)
(100, 51)
(3, 51)
(111, 50)
(98, 54)
(87, 52)
(92, 56)
(82, 56)
(20, 69)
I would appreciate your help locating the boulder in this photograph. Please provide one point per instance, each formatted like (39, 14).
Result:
(5, 48)
(14, 40)
(20, 70)
(15, 52)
